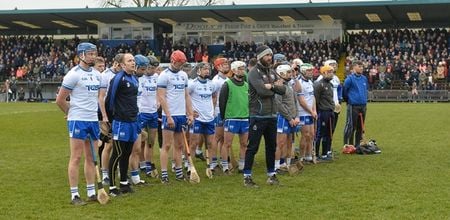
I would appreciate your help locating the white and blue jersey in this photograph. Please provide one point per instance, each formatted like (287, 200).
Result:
(202, 92)
(147, 100)
(175, 85)
(218, 81)
(308, 94)
(84, 86)
(106, 77)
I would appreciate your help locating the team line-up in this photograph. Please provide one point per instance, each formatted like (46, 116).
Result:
(117, 109)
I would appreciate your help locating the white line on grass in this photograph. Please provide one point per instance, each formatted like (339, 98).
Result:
(30, 111)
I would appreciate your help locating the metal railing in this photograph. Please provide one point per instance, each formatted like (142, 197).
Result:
(406, 96)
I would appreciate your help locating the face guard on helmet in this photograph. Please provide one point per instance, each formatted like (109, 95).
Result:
(142, 63)
(285, 72)
(306, 70)
(83, 49)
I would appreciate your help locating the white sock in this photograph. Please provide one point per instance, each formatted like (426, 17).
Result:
(90, 188)
(105, 173)
(74, 192)
(277, 164)
(198, 151)
(225, 165)
(124, 182)
(135, 178)
(241, 164)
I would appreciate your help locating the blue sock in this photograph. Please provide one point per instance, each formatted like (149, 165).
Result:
(247, 173)
(164, 174)
(213, 163)
(178, 172)
(148, 167)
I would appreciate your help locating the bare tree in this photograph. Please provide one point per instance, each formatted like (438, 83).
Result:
(156, 3)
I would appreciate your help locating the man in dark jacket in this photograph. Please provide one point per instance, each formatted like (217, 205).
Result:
(263, 85)
(323, 92)
(121, 107)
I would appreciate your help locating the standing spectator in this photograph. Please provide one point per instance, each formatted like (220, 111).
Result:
(21, 95)
(355, 92)
(263, 85)
(39, 89)
(31, 88)
(7, 90)
(13, 87)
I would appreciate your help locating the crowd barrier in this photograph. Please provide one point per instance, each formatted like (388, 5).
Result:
(406, 96)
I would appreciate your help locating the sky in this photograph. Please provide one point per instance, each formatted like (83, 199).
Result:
(52, 4)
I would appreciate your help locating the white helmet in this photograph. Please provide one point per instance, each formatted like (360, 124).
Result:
(297, 61)
(306, 66)
(236, 64)
(283, 69)
(330, 62)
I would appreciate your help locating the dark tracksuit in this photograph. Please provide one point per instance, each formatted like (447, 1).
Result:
(323, 93)
(355, 92)
(121, 103)
(263, 116)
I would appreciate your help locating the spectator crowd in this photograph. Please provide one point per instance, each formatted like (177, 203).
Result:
(412, 57)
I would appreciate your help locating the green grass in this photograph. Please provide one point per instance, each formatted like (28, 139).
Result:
(410, 179)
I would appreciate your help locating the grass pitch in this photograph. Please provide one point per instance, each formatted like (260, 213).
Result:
(410, 179)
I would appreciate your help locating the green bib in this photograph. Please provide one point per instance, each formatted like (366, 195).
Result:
(237, 103)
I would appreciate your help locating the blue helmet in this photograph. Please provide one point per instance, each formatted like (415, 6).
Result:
(84, 47)
(279, 57)
(141, 61)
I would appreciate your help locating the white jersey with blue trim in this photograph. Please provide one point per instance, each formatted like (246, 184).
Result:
(175, 85)
(201, 93)
(308, 94)
(147, 100)
(84, 86)
(218, 81)
(106, 77)
(335, 82)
